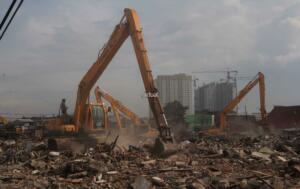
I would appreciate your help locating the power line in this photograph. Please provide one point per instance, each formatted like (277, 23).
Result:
(11, 18)
(7, 13)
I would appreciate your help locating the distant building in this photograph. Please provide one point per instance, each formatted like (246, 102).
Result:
(282, 117)
(176, 87)
(213, 97)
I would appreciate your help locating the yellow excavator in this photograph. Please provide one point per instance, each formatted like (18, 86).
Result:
(4, 129)
(90, 117)
(119, 108)
(3, 121)
(258, 79)
(9, 130)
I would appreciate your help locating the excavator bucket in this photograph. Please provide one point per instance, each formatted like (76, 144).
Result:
(163, 148)
(163, 145)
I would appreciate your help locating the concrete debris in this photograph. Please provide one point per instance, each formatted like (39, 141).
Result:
(261, 155)
(158, 181)
(140, 182)
(54, 154)
(98, 179)
(266, 150)
(211, 162)
(149, 162)
(34, 172)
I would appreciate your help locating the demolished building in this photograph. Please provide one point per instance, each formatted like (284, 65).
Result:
(285, 117)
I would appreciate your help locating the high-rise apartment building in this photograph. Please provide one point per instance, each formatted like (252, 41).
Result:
(176, 87)
(213, 97)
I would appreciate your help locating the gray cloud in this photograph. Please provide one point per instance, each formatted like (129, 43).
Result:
(50, 46)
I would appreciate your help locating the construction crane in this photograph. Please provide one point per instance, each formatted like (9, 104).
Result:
(228, 78)
(87, 115)
(227, 72)
(231, 75)
(258, 79)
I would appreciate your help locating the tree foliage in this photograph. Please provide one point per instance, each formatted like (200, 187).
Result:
(175, 112)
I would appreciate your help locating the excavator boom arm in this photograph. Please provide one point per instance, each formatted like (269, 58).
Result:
(117, 38)
(129, 25)
(117, 105)
(262, 94)
(259, 79)
(143, 61)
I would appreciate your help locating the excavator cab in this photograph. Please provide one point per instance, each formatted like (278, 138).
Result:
(96, 117)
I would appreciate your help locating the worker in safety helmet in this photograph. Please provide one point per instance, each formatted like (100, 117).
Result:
(63, 107)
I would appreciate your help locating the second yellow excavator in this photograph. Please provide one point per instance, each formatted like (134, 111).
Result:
(258, 79)
(117, 108)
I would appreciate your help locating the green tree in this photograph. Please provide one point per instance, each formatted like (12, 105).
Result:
(175, 112)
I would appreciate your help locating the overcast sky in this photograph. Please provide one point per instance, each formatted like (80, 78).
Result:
(51, 44)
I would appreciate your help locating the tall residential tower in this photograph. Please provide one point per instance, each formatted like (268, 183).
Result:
(213, 97)
(176, 87)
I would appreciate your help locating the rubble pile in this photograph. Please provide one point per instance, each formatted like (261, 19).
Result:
(260, 162)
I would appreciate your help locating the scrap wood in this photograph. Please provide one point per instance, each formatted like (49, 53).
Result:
(78, 175)
(11, 177)
(39, 158)
(93, 168)
(297, 167)
(212, 156)
(251, 176)
(261, 179)
(113, 144)
(75, 181)
(261, 173)
(290, 150)
(175, 169)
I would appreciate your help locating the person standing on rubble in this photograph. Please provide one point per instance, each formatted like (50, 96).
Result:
(63, 108)
(63, 111)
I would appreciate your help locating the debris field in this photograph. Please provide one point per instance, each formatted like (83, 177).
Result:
(268, 161)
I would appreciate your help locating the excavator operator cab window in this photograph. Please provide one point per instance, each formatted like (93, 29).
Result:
(98, 116)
